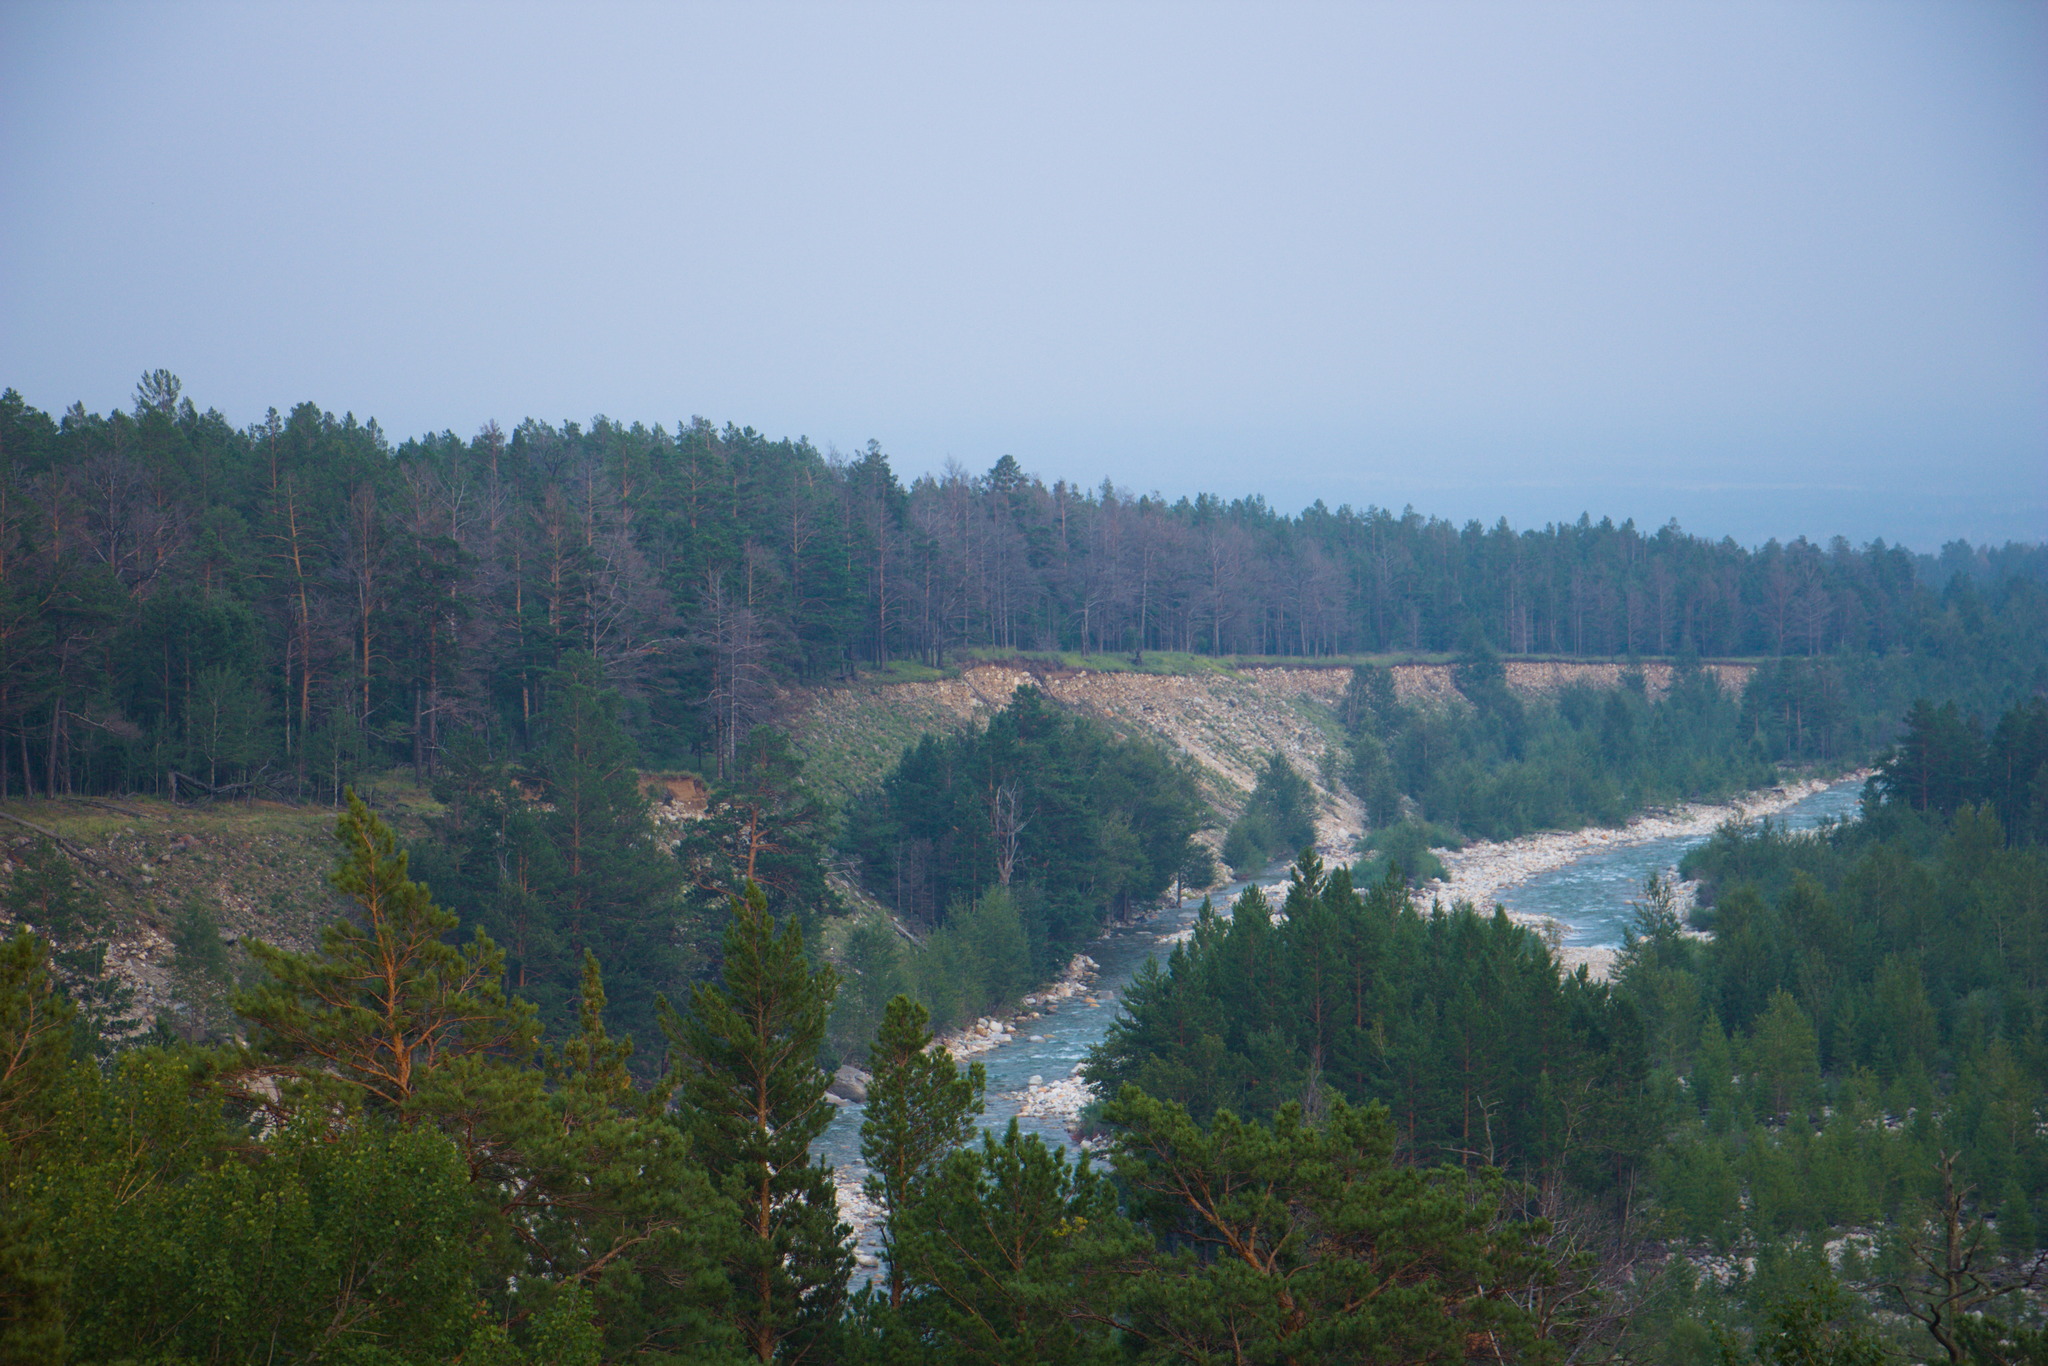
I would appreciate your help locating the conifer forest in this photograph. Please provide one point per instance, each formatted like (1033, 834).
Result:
(281, 605)
(539, 1074)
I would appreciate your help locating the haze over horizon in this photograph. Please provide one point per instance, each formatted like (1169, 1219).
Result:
(1768, 270)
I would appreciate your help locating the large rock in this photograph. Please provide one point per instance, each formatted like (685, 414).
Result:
(850, 1083)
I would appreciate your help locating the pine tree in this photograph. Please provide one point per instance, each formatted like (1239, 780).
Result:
(386, 1003)
(1786, 1056)
(1821, 1324)
(583, 1187)
(746, 1057)
(1279, 818)
(1937, 763)
(613, 1201)
(920, 1106)
(1323, 1248)
(1011, 1253)
(556, 856)
(47, 895)
(761, 822)
(1713, 1075)
(1371, 776)
(35, 1055)
(615, 891)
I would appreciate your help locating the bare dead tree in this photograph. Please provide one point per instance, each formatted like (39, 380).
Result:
(362, 565)
(1957, 1272)
(742, 691)
(1007, 822)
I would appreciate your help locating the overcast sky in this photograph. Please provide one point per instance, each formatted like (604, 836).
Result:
(1770, 270)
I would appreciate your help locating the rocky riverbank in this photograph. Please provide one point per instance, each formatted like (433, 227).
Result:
(1482, 870)
(991, 1032)
(1479, 873)
(1063, 1098)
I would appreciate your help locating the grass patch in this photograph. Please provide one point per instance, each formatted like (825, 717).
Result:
(1074, 661)
(904, 671)
(265, 863)
(852, 736)
(1175, 662)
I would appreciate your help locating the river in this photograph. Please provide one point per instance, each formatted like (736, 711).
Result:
(1588, 897)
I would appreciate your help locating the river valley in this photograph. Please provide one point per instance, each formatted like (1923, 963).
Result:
(1587, 893)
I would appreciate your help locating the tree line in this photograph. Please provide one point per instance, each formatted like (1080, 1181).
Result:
(189, 606)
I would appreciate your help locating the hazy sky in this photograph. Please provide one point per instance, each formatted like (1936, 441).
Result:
(1767, 269)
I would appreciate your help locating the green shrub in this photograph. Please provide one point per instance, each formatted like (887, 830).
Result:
(1405, 848)
(1278, 821)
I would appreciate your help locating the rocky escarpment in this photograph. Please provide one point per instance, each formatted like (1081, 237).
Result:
(1227, 720)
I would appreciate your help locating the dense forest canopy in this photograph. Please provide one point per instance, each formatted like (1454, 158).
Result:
(1853, 1059)
(388, 1171)
(1360, 1131)
(1078, 820)
(1460, 1023)
(395, 597)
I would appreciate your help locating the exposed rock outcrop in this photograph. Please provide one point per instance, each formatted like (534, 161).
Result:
(1226, 720)
(849, 1083)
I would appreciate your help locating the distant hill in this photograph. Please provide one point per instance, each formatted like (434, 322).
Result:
(275, 608)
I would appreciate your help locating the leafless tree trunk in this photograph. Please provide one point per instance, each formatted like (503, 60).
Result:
(1007, 824)
(742, 689)
(1955, 1272)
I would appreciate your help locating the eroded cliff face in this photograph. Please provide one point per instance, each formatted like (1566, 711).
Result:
(1548, 677)
(1226, 720)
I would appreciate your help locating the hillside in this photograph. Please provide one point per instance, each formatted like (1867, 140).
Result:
(1226, 719)
(262, 866)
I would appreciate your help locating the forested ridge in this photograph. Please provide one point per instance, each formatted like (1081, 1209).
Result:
(295, 601)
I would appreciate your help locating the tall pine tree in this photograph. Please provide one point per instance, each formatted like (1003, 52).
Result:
(386, 1003)
(920, 1106)
(35, 1057)
(1015, 1256)
(556, 857)
(746, 1057)
(618, 893)
(1306, 1242)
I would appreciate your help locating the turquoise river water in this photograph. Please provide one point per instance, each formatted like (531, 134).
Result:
(1589, 897)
